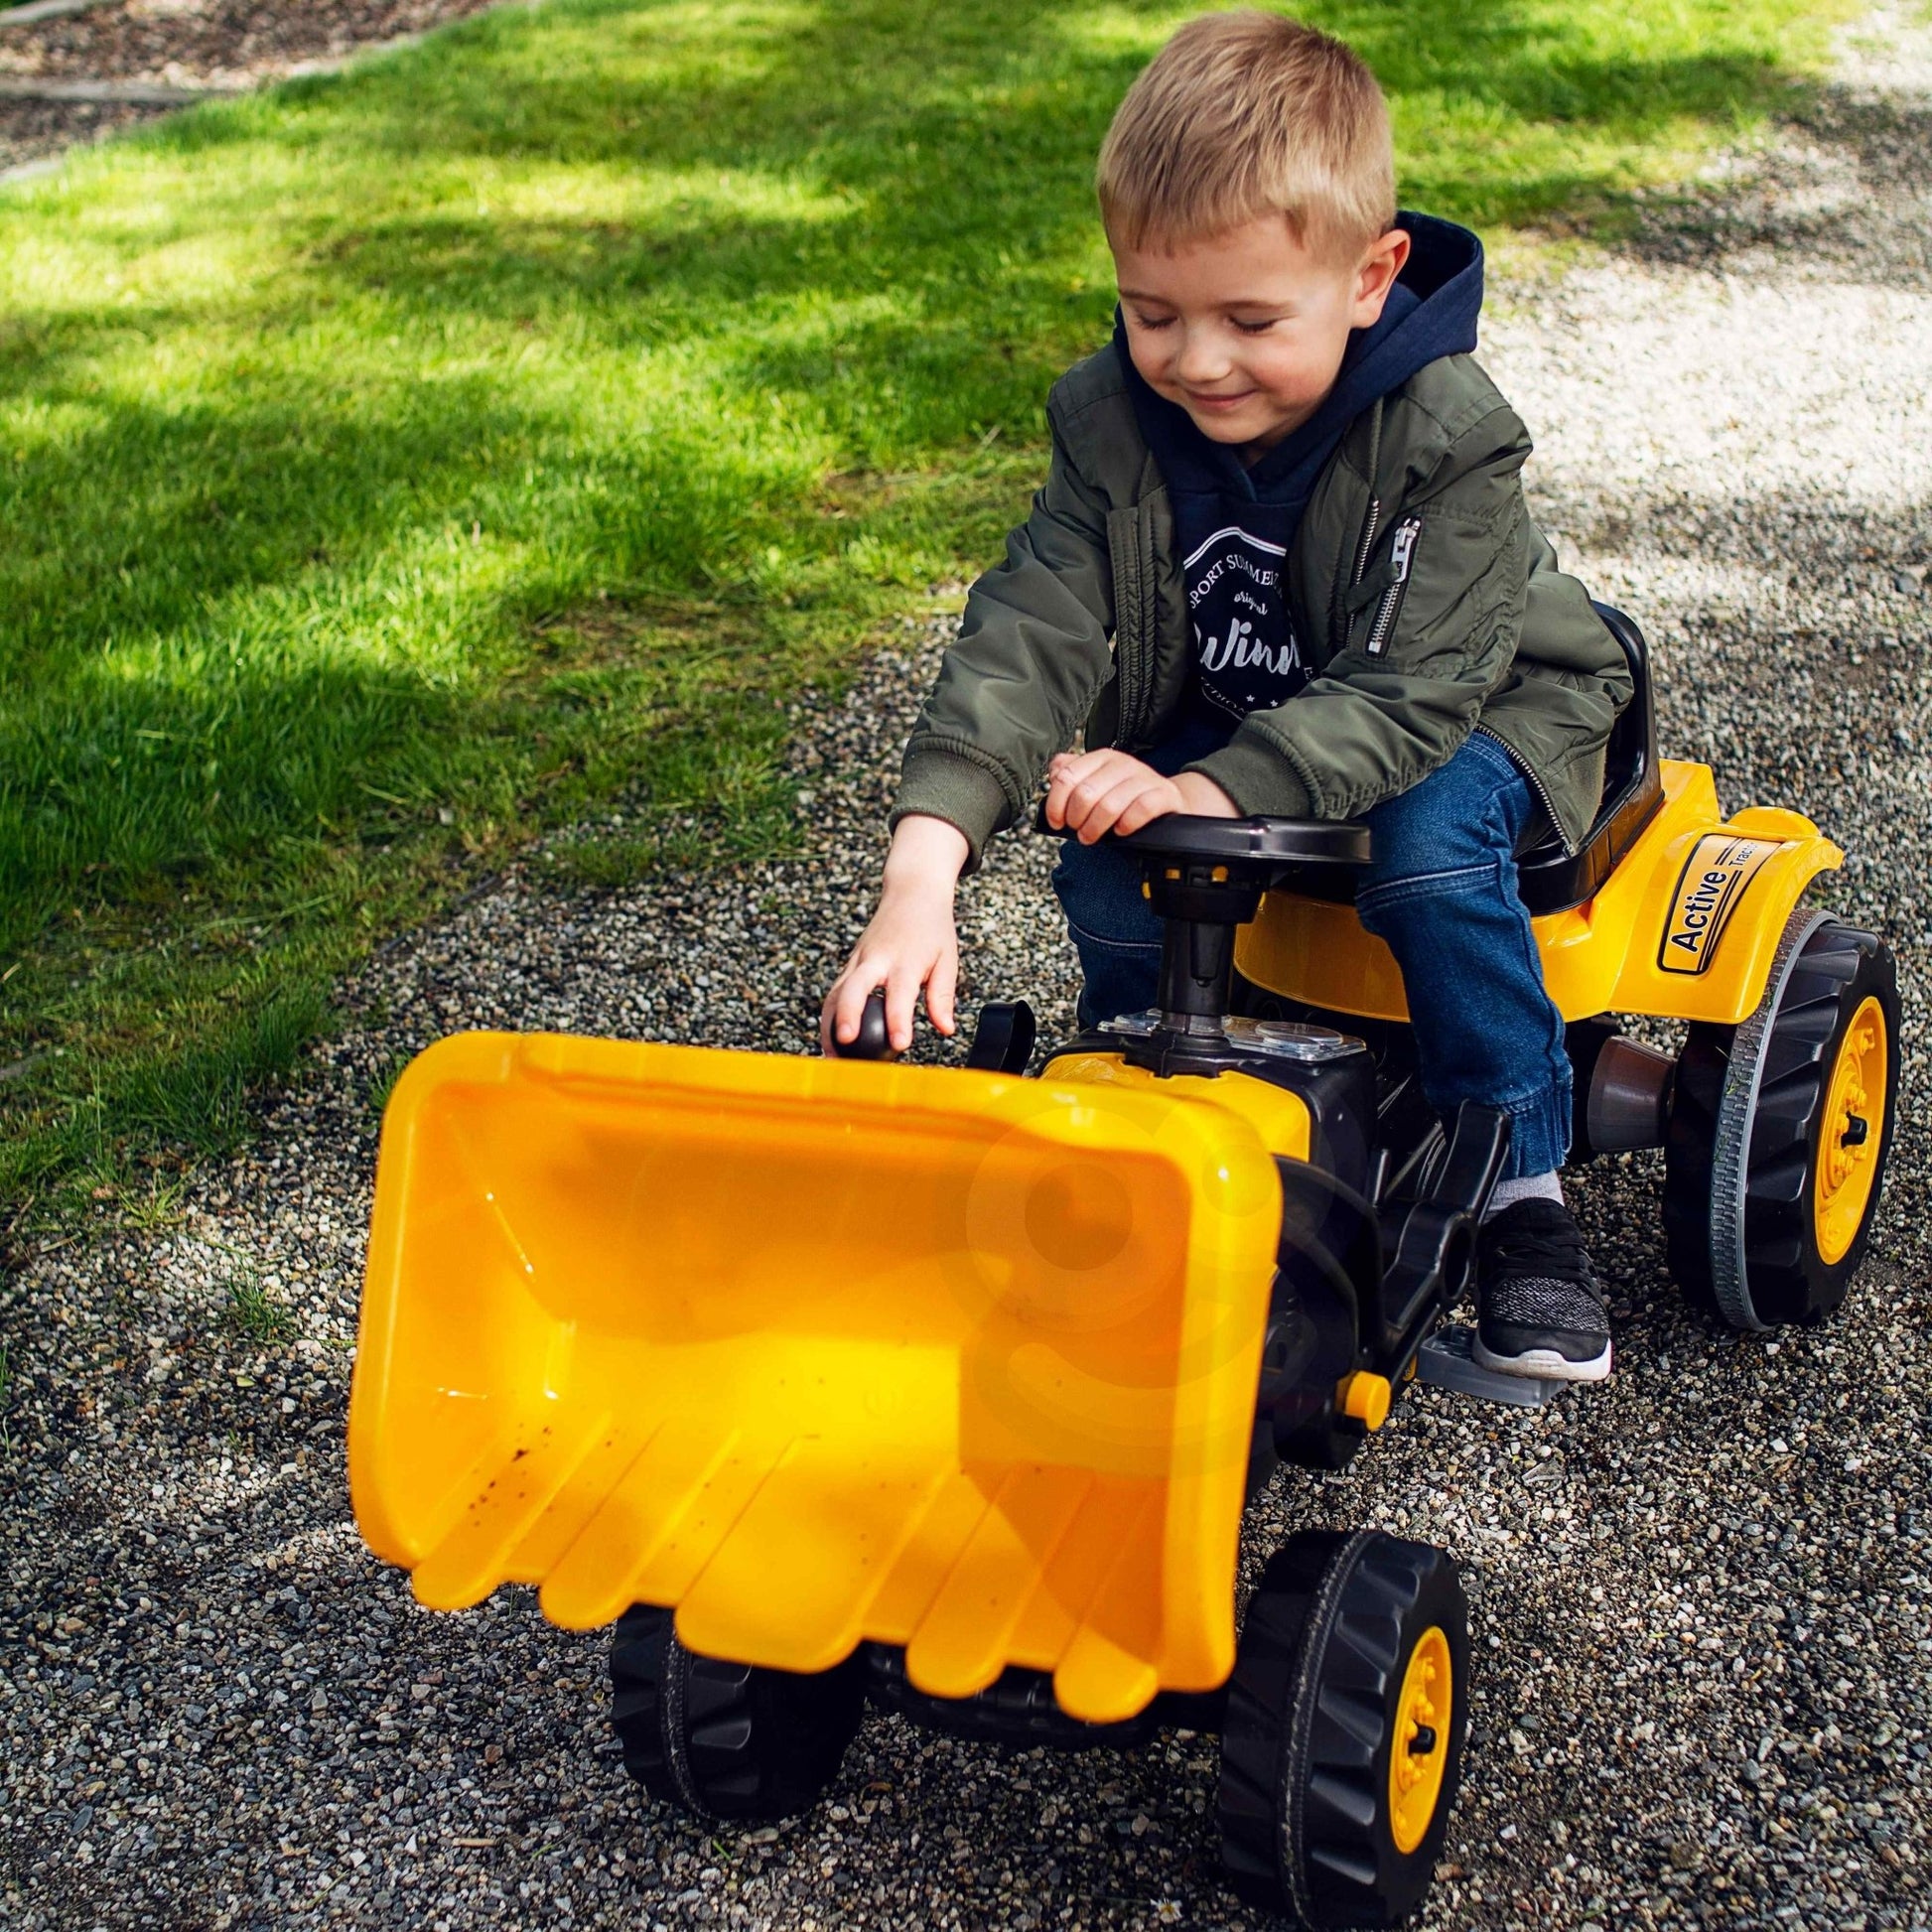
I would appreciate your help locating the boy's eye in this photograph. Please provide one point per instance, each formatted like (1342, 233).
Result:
(1151, 322)
(1256, 327)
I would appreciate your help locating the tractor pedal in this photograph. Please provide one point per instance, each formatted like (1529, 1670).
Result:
(1445, 1360)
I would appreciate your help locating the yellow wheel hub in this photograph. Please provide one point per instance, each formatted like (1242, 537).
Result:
(1418, 1751)
(1855, 1119)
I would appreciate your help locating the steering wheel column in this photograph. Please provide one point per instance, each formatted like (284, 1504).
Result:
(1204, 877)
(1202, 905)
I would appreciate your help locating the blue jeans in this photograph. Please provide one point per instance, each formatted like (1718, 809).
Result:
(1442, 892)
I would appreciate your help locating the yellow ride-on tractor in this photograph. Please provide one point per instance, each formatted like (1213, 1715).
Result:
(828, 1381)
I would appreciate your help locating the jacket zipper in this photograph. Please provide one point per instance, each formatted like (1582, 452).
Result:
(1402, 552)
(1368, 540)
(1374, 501)
(1132, 650)
(1537, 785)
(1337, 622)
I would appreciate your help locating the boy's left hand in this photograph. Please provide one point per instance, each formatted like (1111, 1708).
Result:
(1094, 792)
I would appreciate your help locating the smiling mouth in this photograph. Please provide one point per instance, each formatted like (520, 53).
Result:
(1217, 402)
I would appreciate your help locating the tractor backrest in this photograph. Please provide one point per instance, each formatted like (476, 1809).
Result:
(1553, 879)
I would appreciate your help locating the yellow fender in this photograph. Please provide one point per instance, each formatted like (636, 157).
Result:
(816, 1353)
(1684, 928)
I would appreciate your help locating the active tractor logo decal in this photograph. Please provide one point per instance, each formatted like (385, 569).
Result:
(1714, 880)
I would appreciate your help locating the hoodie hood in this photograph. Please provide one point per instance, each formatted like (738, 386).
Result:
(1234, 523)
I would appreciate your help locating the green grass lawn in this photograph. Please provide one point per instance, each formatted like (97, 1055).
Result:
(395, 466)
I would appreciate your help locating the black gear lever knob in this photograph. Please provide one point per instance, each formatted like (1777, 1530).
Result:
(872, 1042)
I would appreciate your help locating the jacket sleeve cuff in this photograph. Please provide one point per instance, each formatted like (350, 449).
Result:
(1260, 781)
(942, 784)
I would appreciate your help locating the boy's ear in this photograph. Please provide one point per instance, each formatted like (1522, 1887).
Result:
(1375, 276)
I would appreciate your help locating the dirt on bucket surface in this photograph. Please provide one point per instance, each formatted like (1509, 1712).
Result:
(218, 45)
(1699, 1589)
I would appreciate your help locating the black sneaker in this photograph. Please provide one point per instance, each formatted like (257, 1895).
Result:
(1539, 1305)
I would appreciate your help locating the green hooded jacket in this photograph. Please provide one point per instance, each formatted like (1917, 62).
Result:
(1430, 604)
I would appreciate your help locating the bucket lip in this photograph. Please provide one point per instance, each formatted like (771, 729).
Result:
(1103, 1117)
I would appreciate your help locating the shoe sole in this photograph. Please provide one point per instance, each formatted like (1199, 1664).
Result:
(1542, 1364)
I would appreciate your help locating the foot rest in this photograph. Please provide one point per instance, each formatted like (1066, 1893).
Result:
(1446, 1360)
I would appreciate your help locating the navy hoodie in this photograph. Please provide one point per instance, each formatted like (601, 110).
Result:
(1234, 525)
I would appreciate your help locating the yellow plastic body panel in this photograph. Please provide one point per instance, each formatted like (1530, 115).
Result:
(1280, 1118)
(1685, 927)
(815, 1352)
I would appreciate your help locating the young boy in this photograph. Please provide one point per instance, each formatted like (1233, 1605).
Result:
(1282, 564)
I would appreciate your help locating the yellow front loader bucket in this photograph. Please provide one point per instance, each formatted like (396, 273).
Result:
(816, 1353)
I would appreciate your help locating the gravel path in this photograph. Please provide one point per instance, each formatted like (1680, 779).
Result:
(1701, 1590)
(33, 133)
(222, 45)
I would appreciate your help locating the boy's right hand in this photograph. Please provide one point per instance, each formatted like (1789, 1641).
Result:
(911, 942)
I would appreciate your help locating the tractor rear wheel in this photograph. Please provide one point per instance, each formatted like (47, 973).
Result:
(729, 1742)
(1779, 1133)
(1345, 1723)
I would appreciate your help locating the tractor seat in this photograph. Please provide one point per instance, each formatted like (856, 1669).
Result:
(1552, 879)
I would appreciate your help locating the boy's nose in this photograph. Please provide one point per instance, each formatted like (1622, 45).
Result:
(1202, 361)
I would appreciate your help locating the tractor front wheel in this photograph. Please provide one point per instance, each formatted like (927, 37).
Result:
(1779, 1131)
(1343, 1739)
(727, 1741)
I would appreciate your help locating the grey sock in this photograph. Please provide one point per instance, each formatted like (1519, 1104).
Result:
(1532, 1186)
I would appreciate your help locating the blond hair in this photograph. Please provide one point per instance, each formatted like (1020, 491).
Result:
(1248, 114)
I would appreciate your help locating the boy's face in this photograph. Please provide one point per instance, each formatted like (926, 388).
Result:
(1246, 330)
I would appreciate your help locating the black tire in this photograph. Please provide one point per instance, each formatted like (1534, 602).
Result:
(1315, 1716)
(1742, 1226)
(1690, 1137)
(727, 1741)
